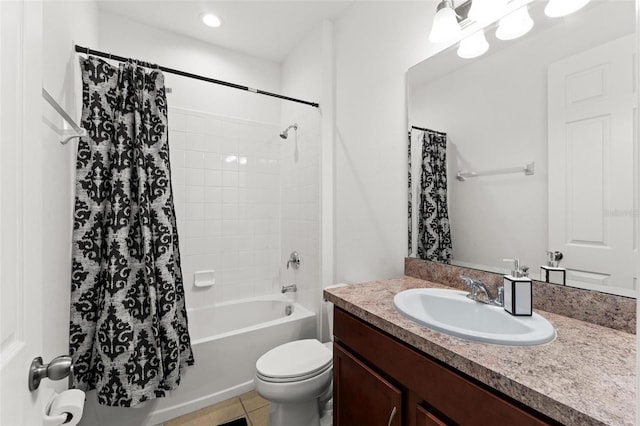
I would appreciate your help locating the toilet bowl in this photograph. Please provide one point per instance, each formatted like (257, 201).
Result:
(297, 380)
(293, 377)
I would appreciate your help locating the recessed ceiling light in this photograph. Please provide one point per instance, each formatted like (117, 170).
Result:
(211, 20)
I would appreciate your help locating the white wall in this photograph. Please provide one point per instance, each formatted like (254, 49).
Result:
(123, 37)
(375, 44)
(63, 24)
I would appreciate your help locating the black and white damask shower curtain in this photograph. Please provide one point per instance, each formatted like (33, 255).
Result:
(129, 338)
(434, 236)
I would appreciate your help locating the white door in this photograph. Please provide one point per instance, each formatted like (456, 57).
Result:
(591, 166)
(20, 210)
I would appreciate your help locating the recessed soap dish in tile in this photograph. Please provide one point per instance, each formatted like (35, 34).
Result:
(204, 278)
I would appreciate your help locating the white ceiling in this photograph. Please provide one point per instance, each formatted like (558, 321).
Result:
(263, 28)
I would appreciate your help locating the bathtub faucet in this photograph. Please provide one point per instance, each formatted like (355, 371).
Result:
(288, 288)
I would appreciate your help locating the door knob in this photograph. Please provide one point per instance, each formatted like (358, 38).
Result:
(59, 368)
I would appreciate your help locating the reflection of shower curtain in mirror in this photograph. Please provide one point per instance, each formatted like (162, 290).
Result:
(129, 338)
(434, 236)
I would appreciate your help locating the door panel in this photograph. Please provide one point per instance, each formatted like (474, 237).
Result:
(20, 210)
(592, 192)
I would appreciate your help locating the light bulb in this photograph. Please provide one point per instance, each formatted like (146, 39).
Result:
(445, 24)
(558, 8)
(514, 25)
(473, 46)
(485, 10)
(211, 20)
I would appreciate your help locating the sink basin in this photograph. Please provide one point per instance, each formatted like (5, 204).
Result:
(451, 312)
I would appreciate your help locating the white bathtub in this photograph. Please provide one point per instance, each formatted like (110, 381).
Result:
(227, 340)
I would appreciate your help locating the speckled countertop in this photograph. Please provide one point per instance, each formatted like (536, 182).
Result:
(586, 376)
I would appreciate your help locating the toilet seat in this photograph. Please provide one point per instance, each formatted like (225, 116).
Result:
(294, 361)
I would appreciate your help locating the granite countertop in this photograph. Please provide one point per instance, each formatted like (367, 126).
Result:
(586, 376)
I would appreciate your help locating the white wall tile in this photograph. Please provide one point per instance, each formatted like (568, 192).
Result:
(229, 211)
(212, 228)
(212, 194)
(177, 157)
(231, 228)
(229, 195)
(211, 144)
(213, 178)
(213, 211)
(193, 229)
(194, 211)
(194, 177)
(230, 178)
(196, 142)
(194, 160)
(195, 194)
(230, 243)
(230, 162)
(230, 146)
(178, 177)
(177, 120)
(212, 161)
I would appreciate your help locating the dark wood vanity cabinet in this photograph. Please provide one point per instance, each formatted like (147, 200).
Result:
(374, 372)
(365, 397)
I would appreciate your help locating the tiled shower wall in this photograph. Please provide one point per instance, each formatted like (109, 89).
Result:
(226, 182)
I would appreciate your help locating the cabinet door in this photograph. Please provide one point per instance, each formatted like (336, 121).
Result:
(426, 418)
(361, 396)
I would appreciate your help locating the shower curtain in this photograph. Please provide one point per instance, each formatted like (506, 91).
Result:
(434, 236)
(129, 338)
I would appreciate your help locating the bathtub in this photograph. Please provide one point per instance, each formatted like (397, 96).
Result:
(227, 340)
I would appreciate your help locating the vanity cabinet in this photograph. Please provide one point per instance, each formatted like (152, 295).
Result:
(365, 397)
(374, 372)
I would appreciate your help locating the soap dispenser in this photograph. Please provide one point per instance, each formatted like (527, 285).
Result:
(552, 272)
(518, 291)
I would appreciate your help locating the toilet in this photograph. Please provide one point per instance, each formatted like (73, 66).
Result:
(297, 380)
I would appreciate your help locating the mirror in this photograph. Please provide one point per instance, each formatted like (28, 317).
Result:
(561, 100)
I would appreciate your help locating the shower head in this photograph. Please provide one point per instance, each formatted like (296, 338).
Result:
(285, 132)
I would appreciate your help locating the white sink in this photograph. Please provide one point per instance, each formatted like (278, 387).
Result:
(451, 312)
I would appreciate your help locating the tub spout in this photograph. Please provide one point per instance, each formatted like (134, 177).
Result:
(288, 288)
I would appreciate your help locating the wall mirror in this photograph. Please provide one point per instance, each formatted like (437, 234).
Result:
(561, 100)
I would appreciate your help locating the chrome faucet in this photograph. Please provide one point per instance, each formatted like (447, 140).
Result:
(479, 292)
(294, 260)
(288, 288)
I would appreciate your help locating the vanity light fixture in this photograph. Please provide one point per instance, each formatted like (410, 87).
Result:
(445, 24)
(485, 10)
(514, 25)
(473, 46)
(449, 21)
(558, 8)
(211, 20)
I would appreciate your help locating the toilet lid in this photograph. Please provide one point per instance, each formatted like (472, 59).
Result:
(295, 360)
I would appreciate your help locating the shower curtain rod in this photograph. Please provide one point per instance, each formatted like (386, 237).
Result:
(81, 49)
(424, 129)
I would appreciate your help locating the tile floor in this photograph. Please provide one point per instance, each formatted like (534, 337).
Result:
(249, 405)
